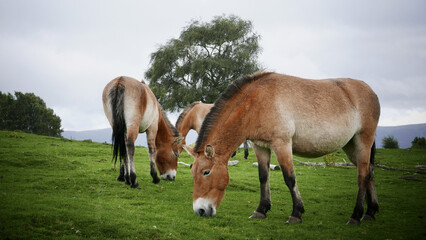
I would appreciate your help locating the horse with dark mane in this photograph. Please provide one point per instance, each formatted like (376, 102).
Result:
(287, 115)
(192, 117)
(131, 108)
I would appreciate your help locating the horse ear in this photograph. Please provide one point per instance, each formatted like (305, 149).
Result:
(178, 140)
(209, 151)
(189, 150)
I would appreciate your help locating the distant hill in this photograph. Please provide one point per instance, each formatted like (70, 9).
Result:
(404, 134)
(104, 135)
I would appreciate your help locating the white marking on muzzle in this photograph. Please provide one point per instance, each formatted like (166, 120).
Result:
(169, 175)
(203, 207)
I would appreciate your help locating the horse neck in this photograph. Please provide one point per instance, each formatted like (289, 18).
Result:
(185, 126)
(164, 133)
(227, 136)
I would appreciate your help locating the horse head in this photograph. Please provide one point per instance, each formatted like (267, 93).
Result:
(167, 157)
(210, 177)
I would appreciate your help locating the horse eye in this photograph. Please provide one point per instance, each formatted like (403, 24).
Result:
(206, 172)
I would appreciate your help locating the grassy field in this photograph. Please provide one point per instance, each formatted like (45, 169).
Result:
(52, 188)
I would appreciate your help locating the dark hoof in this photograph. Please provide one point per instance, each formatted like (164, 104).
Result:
(353, 222)
(156, 181)
(368, 218)
(136, 185)
(120, 178)
(293, 219)
(257, 214)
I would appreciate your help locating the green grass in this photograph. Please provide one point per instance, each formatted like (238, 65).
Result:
(52, 188)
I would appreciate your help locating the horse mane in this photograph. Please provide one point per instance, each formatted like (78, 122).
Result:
(220, 104)
(183, 114)
(170, 126)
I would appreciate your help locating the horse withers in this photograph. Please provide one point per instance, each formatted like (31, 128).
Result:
(192, 117)
(286, 115)
(132, 108)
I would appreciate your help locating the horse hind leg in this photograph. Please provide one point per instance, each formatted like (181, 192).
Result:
(121, 176)
(129, 168)
(152, 151)
(246, 153)
(372, 202)
(263, 157)
(359, 152)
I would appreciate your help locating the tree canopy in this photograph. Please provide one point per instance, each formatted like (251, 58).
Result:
(203, 61)
(27, 112)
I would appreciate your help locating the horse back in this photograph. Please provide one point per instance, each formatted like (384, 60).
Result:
(317, 116)
(198, 114)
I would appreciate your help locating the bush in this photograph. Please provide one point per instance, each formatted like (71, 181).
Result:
(418, 142)
(390, 142)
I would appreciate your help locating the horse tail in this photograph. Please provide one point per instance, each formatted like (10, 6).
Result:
(372, 153)
(119, 128)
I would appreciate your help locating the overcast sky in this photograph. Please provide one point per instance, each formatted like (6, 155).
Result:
(66, 51)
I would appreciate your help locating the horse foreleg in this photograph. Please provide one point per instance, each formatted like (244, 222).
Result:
(263, 158)
(284, 156)
(152, 151)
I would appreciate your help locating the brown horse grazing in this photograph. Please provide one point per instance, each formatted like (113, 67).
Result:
(192, 117)
(132, 108)
(288, 115)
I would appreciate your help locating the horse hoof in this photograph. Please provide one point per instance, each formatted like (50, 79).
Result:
(353, 222)
(257, 214)
(136, 185)
(368, 218)
(120, 178)
(156, 181)
(293, 219)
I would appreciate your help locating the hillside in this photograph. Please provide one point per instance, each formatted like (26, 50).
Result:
(55, 188)
(405, 134)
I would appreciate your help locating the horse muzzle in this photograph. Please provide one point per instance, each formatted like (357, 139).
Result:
(169, 175)
(204, 208)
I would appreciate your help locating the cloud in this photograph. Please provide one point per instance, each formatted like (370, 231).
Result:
(66, 51)
(395, 117)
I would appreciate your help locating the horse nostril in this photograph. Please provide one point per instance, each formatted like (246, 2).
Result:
(201, 211)
(173, 178)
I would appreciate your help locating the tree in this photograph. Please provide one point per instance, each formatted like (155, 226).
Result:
(390, 142)
(203, 61)
(419, 142)
(27, 112)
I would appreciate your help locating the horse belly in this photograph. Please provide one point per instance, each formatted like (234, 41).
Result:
(316, 141)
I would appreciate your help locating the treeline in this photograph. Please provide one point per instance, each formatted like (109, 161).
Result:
(391, 142)
(28, 112)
